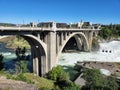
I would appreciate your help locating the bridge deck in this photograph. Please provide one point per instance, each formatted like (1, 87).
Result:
(2, 28)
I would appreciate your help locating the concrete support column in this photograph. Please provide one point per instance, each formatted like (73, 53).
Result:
(45, 38)
(38, 35)
(65, 36)
(35, 61)
(90, 39)
(42, 36)
(61, 38)
(68, 33)
(32, 53)
(36, 66)
(89, 36)
(43, 66)
(51, 49)
(79, 42)
(85, 47)
(57, 42)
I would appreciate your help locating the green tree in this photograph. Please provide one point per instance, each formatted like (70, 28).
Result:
(23, 51)
(21, 65)
(71, 86)
(118, 30)
(111, 83)
(18, 52)
(93, 78)
(105, 33)
(109, 31)
(96, 81)
(57, 73)
(61, 79)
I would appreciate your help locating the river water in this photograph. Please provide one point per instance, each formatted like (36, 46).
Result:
(7, 53)
(108, 52)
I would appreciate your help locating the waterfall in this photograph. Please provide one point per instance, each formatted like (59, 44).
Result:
(108, 52)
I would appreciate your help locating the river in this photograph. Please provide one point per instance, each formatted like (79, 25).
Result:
(108, 52)
(7, 53)
(10, 59)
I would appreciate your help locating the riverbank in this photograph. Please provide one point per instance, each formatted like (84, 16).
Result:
(24, 81)
(13, 42)
(106, 68)
(6, 84)
(113, 67)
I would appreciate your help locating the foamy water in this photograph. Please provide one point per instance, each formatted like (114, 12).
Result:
(108, 52)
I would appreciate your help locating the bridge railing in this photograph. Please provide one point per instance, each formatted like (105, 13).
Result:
(81, 28)
(18, 28)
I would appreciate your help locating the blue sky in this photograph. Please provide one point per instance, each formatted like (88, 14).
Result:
(25, 11)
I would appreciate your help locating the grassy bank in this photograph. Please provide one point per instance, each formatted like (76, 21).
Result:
(14, 42)
(30, 78)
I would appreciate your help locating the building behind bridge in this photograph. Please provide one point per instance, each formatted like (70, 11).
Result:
(49, 25)
(80, 24)
(71, 25)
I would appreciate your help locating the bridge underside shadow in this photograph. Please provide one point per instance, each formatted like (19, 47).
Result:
(74, 42)
(71, 46)
(38, 55)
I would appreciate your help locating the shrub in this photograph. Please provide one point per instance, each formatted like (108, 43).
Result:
(24, 66)
(62, 79)
(2, 72)
(95, 80)
(44, 88)
(71, 86)
(9, 76)
(58, 73)
(39, 81)
(20, 77)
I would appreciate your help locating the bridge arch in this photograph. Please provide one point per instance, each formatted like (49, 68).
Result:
(38, 52)
(80, 39)
(35, 39)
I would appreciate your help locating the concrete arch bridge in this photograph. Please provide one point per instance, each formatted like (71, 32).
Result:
(48, 43)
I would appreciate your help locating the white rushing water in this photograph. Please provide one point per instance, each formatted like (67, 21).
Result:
(8, 56)
(108, 52)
